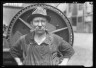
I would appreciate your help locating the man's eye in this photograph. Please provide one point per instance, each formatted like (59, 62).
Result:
(35, 23)
(43, 21)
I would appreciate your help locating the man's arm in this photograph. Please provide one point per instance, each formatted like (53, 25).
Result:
(66, 50)
(16, 51)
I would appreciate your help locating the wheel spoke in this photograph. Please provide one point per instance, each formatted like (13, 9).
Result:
(58, 30)
(52, 31)
(25, 23)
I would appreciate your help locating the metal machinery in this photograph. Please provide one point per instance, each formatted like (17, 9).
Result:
(18, 26)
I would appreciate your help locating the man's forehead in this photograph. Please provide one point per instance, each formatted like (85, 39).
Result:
(39, 18)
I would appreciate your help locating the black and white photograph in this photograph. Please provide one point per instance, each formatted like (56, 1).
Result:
(44, 34)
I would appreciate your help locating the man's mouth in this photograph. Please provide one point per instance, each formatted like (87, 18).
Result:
(39, 28)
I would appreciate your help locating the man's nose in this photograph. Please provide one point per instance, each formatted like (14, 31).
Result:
(40, 24)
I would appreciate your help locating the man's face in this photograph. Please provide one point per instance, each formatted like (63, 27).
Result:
(39, 24)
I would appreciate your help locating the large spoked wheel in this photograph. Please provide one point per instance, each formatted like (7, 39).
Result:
(59, 24)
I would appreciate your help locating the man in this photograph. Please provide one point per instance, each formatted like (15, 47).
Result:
(40, 47)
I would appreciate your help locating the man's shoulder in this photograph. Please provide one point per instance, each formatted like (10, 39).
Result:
(55, 36)
(28, 35)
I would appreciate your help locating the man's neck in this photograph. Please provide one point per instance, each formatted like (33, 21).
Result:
(40, 35)
(39, 38)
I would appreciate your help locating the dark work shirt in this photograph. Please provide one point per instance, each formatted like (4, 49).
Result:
(50, 52)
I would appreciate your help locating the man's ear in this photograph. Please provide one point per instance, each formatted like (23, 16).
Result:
(31, 23)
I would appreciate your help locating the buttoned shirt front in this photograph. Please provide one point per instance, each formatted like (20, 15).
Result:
(50, 52)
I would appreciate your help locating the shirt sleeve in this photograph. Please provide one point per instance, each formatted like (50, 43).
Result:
(65, 48)
(16, 50)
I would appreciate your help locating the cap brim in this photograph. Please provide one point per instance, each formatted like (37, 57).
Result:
(30, 18)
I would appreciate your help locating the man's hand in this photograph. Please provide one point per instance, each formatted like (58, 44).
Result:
(19, 62)
(64, 61)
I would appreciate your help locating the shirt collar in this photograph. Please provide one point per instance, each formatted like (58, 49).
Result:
(48, 39)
